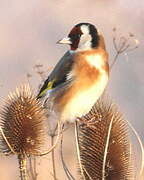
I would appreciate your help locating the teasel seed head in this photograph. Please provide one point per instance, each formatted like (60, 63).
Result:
(104, 143)
(22, 123)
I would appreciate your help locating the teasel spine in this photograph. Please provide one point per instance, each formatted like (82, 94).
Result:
(22, 127)
(104, 144)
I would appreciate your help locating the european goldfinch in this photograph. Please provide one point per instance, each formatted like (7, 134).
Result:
(80, 77)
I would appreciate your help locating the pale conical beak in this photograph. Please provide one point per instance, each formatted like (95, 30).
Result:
(66, 40)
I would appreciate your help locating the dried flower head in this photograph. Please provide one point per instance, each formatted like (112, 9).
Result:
(22, 123)
(104, 144)
(123, 44)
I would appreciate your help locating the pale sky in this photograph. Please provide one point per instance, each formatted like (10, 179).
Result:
(30, 29)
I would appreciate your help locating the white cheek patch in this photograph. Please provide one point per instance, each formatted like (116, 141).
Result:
(85, 29)
(85, 41)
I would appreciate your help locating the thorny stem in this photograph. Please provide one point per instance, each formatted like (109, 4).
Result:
(22, 167)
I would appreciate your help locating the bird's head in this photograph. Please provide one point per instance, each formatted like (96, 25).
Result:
(83, 36)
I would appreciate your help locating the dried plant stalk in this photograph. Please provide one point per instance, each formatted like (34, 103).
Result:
(22, 166)
(123, 44)
(22, 125)
(32, 170)
(104, 144)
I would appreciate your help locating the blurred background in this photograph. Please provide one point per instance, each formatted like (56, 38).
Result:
(29, 31)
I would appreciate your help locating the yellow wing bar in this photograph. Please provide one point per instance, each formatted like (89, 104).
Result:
(49, 86)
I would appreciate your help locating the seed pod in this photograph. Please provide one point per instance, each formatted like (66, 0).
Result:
(22, 122)
(104, 144)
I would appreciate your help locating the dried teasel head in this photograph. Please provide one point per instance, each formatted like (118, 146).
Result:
(105, 151)
(22, 123)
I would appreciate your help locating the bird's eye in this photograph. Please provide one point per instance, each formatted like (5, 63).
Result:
(75, 36)
(79, 35)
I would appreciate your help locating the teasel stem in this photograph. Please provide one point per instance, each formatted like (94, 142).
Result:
(32, 172)
(67, 172)
(22, 166)
(106, 148)
(53, 158)
(141, 148)
(78, 150)
(59, 134)
(6, 141)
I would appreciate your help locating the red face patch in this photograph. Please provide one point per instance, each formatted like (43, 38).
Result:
(75, 35)
(75, 30)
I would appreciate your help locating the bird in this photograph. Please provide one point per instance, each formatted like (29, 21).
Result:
(80, 77)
